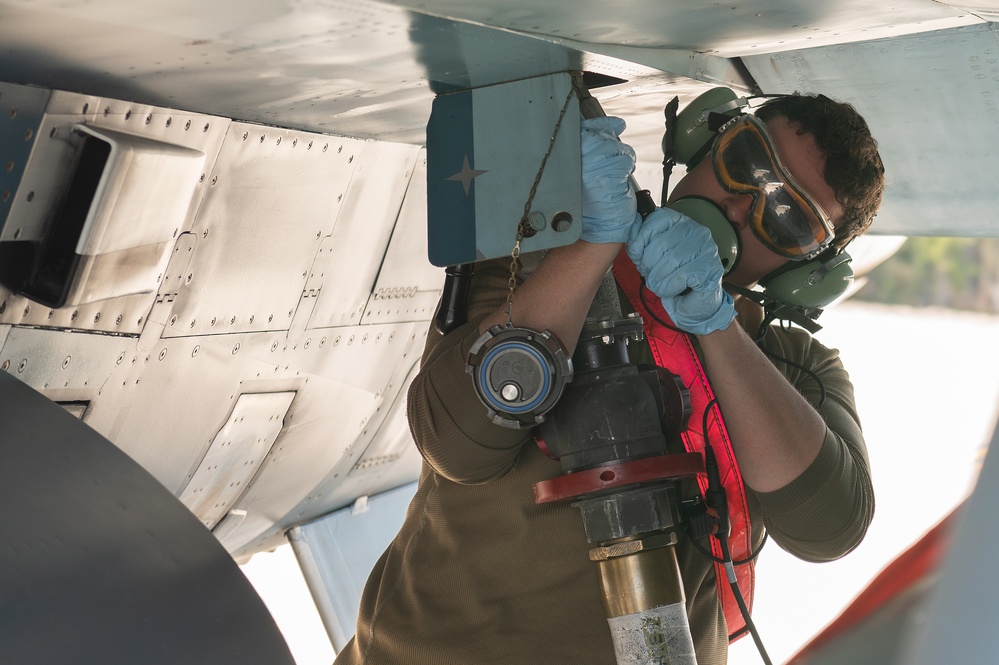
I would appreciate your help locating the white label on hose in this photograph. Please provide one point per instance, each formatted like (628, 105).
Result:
(660, 636)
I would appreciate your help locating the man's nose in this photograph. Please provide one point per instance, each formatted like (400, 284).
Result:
(737, 207)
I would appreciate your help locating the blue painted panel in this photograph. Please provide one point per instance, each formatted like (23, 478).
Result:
(451, 181)
(495, 154)
(338, 551)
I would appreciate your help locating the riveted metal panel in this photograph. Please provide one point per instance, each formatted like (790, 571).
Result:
(163, 406)
(408, 285)
(313, 287)
(236, 453)
(362, 232)
(52, 360)
(319, 65)
(272, 198)
(357, 373)
(52, 158)
(393, 437)
(174, 276)
(125, 315)
(50, 165)
(21, 112)
(651, 32)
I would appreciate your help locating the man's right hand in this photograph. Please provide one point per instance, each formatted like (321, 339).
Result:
(679, 260)
(609, 206)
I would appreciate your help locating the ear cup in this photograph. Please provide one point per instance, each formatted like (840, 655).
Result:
(814, 283)
(708, 213)
(693, 133)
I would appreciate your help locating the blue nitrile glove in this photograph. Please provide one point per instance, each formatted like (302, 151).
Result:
(609, 206)
(674, 253)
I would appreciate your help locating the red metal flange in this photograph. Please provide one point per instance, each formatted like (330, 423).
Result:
(619, 474)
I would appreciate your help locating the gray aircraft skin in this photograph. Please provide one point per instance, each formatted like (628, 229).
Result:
(214, 254)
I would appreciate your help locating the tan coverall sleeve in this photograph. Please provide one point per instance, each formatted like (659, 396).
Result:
(448, 422)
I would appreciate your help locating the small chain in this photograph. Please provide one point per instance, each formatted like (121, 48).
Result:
(522, 224)
(512, 282)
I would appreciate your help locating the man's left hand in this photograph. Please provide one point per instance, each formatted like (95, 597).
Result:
(609, 206)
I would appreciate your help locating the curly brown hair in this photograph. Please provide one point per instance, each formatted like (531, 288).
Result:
(853, 166)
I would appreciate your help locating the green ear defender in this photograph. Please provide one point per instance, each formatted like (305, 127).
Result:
(694, 131)
(813, 283)
(707, 213)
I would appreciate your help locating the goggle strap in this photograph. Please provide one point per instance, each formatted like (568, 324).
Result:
(723, 109)
(698, 156)
(717, 120)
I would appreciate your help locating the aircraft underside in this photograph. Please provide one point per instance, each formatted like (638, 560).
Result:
(213, 219)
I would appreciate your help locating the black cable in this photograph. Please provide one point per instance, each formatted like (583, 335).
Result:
(752, 556)
(709, 451)
(761, 334)
(737, 634)
(723, 541)
(715, 498)
(704, 422)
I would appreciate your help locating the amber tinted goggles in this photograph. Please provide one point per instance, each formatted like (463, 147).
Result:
(783, 216)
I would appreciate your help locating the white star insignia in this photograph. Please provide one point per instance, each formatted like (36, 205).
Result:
(466, 175)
